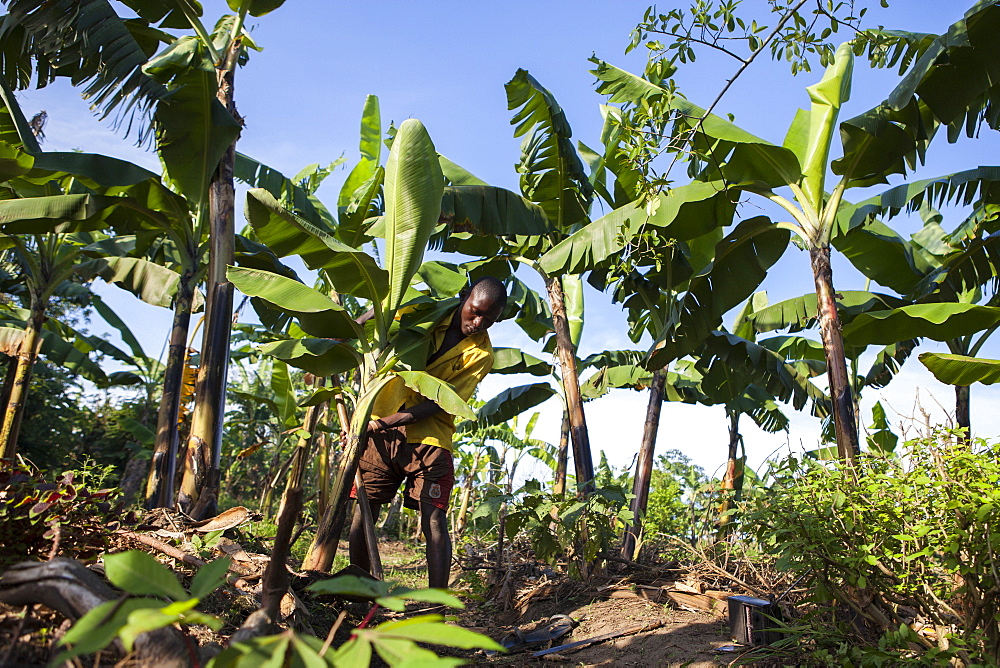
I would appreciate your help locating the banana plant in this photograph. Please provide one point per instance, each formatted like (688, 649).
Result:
(413, 190)
(553, 176)
(54, 204)
(876, 144)
(185, 94)
(943, 275)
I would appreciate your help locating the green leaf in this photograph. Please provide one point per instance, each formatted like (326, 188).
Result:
(322, 357)
(432, 629)
(139, 573)
(940, 322)
(395, 599)
(827, 97)
(622, 86)
(37, 215)
(955, 76)
(601, 382)
(882, 255)
(90, 44)
(149, 281)
(13, 163)
(413, 189)
(444, 280)
(513, 360)
(595, 243)
(351, 585)
(742, 260)
(491, 211)
(255, 7)
(799, 313)
(99, 626)
(93, 169)
(747, 158)
(437, 391)
(457, 175)
(961, 369)
(210, 577)
(14, 128)
(551, 171)
(137, 430)
(693, 210)
(513, 401)
(350, 270)
(317, 314)
(193, 130)
(289, 193)
(357, 651)
(147, 619)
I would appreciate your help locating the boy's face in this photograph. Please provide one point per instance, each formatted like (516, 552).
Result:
(478, 313)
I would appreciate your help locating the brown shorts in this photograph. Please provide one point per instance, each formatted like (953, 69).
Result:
(429, 470)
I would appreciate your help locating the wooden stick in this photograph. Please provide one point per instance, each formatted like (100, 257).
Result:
(579, 644)
(180, 555)
(368, 523)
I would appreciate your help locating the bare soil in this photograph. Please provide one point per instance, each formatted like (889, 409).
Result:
(671, 617)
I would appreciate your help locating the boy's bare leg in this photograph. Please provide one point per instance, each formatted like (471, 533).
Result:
(434, 523)
(356, 541)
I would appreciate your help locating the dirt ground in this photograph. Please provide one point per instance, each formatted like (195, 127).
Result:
(659, 615)
(671, 635)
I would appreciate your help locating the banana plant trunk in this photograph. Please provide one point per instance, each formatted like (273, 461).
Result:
(323, 463)
(582, 458)
(962, 416)
(844, 419)
(562, 456)
(162, 470)
(331, 524)
(644, 465)
(26, 355)
(345, 420)
(201, 480)
(729, 486)
(463, 510)
(202, 461)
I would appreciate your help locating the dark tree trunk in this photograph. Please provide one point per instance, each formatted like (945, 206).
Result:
(582, 458)
(644, 465)
(962, 417)
(562, 456)
(200, 484)
(844, 419)
(163, 467)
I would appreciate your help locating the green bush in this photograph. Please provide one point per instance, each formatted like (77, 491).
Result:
(895, 541)
(576, 528)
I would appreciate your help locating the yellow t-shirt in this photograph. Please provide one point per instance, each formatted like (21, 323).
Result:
(463, 366)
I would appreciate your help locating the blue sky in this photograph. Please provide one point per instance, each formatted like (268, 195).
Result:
(445, 63)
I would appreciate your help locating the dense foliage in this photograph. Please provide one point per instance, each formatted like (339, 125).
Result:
(894, 538)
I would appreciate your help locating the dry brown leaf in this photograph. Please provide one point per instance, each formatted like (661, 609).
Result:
(227, 519)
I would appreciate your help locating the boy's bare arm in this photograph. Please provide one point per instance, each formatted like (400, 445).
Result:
(421, 411)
